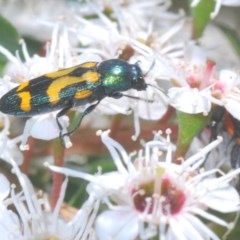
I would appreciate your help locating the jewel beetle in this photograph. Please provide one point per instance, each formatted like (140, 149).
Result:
(223, 121)
(87, 83)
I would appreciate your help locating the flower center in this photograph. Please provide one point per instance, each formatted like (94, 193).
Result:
(173, 198)
(169, 198)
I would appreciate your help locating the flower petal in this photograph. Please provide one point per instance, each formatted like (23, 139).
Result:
(225, 199)
(4, 187)
(233, 106)
(189, 100)
(45, 127)
(126, 227)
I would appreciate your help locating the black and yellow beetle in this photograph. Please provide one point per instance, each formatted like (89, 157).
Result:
(64, 89)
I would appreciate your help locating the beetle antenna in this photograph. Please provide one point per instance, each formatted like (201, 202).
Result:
(138, 98)
(153, 86)
(150, 68)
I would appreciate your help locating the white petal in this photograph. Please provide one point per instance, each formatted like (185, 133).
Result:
(111, 181)
(112, 106)
(177, 230)
(189, 100)
(57, 227)
(14, 151)
(200, 227)
(209, 216)
(6, 86)
(4, 187)
(10, 225)
(223, 200)
(117, 225)
(45, 127)
(229, 78)
(195, 55)
(233, 106)
(154, 110)
(185, 229)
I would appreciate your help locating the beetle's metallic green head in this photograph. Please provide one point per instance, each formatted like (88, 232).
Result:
(138, 81)
(117, 75)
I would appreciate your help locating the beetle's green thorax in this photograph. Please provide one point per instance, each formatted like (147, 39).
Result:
(117, 75)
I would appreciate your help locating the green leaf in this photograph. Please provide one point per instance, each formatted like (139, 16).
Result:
(9, 36)
(232, 36)
(201, 16)
(76, 192)
(189, 127)
(33, 46)
(2, 64)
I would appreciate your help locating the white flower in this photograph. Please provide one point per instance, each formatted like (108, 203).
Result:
(152, 196)
(197, 85)
(165, 196)
(227, 92)
(9, 147)
(44, 127)
(190, 100)
(192, 80)
(124, 22)
(8, 219)
(34, 218)
(30, 17)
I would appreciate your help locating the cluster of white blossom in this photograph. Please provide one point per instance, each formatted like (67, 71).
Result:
(153, 194)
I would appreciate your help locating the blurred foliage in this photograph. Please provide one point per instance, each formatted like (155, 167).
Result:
(76, 191)
(201, 16)
(10, 40)
(9, 36)
(233, 37)
(189, 126)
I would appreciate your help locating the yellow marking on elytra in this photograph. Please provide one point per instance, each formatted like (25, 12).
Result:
(91, 77)
(60, 73)
(22, 86)
(59, 84)
(25, 101)
(81, 94)
(88, 64)
(67, 71)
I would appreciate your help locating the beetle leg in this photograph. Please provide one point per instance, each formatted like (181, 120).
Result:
(118, 95)
(86, 111)
(60, 114)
